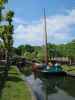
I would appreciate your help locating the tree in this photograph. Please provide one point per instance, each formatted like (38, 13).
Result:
(29, 48)
(2, 51)
(52, 51)
(9, 16)
(9, 31)
(6, 32)
(2, 2)
(70, 51)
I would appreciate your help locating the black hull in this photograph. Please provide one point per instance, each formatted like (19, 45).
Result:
(52, 73)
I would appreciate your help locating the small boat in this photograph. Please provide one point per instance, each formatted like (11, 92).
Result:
(53, 71)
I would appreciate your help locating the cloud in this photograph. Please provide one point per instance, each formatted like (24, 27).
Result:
(17, 21)
(59, 28)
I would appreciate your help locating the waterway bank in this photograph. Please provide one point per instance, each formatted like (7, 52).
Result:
(23, 77)
(15, 87)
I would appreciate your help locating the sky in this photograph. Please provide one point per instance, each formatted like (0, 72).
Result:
(29, 21)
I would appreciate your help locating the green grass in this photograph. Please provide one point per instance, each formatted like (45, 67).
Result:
(69, 68)
(15, 88)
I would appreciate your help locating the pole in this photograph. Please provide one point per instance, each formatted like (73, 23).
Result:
(46, 49)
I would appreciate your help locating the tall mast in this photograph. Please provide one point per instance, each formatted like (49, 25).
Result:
(46, 49)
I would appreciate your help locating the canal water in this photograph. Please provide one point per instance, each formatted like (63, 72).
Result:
(52, 88)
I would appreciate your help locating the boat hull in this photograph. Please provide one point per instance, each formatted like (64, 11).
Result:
(46, 73)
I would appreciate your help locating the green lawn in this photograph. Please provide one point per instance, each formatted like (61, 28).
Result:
(15, 88)
(69, 68)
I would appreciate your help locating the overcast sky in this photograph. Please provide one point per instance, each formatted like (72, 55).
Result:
(29, 26)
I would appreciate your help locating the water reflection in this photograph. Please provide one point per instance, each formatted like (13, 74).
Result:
(50, 84)
(53, 88)
(69, 86)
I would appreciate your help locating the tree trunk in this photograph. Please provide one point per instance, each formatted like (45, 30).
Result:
(7, 63)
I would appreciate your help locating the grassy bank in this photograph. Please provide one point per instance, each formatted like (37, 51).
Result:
(69, 68)
(15, 88)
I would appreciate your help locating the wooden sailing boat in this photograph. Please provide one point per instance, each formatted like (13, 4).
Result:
(54, 70)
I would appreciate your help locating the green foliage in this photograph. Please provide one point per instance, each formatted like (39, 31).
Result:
(21, 50)
(2, 2)
(29, 48)
(37, 52)
(6, 35)
(6, 31)
(70, 49)
(51, 50)
(9, 16)
(40, 55)
(29, 55)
